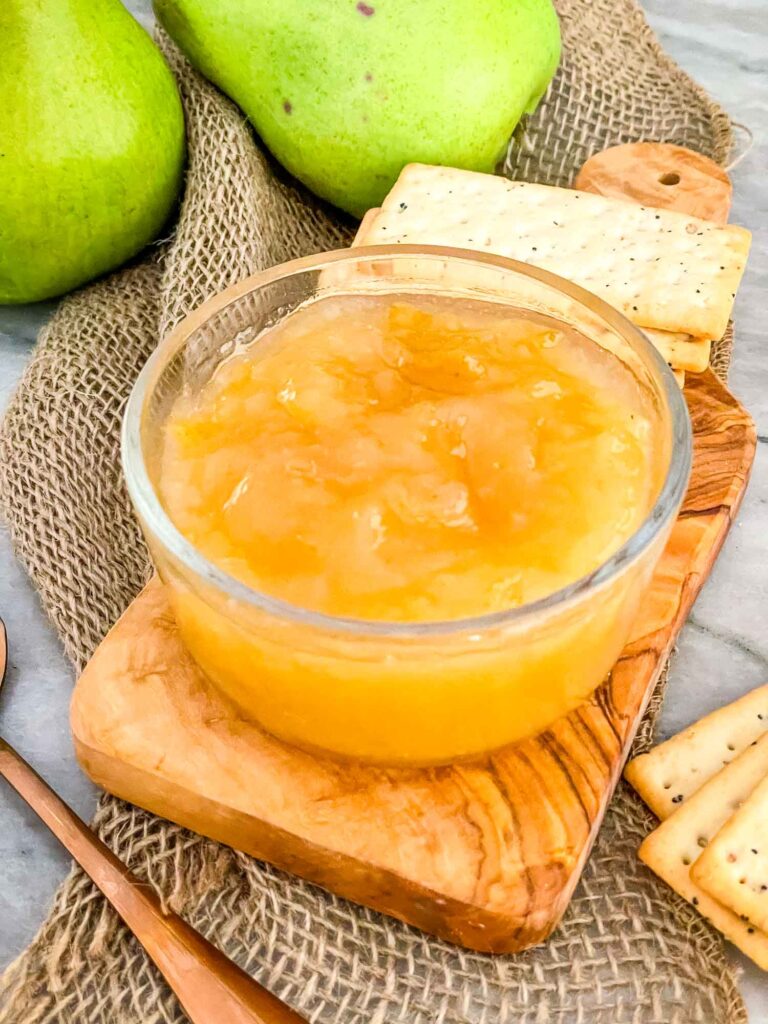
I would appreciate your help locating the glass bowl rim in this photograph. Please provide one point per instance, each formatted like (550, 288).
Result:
(158, 522)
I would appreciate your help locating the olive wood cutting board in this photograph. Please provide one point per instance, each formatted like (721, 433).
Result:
(485, 854)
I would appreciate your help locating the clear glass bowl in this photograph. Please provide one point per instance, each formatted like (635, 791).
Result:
(398, 692)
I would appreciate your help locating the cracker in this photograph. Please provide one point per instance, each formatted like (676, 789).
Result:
(365, 225)
(681, 351)
(660, 268)
(674, 847)
(675, 770)
(734, 866)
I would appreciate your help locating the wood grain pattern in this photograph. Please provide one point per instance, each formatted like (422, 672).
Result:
(662, 175)
(475, 852)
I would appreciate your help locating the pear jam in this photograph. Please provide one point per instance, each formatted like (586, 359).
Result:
(385, 460)
(402, 462)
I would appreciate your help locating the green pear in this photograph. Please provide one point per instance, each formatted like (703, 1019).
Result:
(91, 143)
(344, 93)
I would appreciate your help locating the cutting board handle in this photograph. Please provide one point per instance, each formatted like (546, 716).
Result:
(661, 175)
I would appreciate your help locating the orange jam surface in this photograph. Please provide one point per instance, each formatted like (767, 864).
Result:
(403, 459)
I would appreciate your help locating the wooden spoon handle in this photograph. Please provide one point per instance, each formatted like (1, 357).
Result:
(210, 987)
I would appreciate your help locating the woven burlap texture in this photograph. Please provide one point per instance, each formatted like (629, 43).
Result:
(628, 949)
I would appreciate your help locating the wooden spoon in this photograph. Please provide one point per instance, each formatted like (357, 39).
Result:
(209, 986)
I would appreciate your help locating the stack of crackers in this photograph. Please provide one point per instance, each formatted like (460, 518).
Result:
(709, 787)
(671, 274)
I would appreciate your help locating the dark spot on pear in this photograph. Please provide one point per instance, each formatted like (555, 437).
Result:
(287, 106)
(365, 9)
(368, 76)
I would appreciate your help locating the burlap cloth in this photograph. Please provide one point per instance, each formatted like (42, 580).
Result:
(628, 949)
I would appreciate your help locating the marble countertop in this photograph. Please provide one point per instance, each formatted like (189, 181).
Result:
(723, 649)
